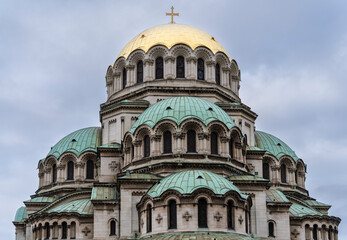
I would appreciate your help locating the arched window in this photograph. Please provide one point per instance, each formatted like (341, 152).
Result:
(271, 229)
(201, 69)
(231, 147)
(248, 219)
(266, 171)
(214, 143)
(90, 169)
(230, 215)
(283, 173)
(191, 141)
(48, 231)
(315, 232)
(112, 228)
(124, 78)
(132, 151)
(159, 68)
(70, 170)
(172, 214)
(149, 218)
(139, 74)
(64, 230)
(73, 230)
(202, 213)
(180, 67)
(146, 146)
(54, 173)
(217, 74)
(167, 142)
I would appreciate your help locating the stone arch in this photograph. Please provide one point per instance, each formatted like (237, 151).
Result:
(222, 137)
(197, 126)
(157, 51)
(222, 59)
(135, 56)
(128, 149)
(204, 53)
(181, 50)
(119, 64)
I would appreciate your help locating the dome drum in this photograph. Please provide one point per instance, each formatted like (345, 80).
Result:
(125, 72)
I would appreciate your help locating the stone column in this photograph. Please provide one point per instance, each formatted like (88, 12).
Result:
(275, 174)
(117, 81)
(178, 137)
(137, 150)
(191, 71)
(169, 71)
(291, 176)
(210, 73)
(51, 232)
(60, 172)
(225, 77)
(148, 70)
(201, 139)
(224, 146)
(59, 232)
(80, 171)
(155, 140)
(68, 229)
(130, 75)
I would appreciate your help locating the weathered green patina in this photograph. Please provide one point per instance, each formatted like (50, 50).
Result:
(78, 142)
(187, 182)
(179, 109)
(276, 196)
(315, 203)
(80, 206)
(21, 215)
(298, 210)
(247, 178)
(273, 145)
(41, 200)
(104, 194)
(143, 176)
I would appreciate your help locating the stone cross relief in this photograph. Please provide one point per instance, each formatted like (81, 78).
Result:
(218, 216)
(86, 231)
(186, 216)
(240, 219)
(295, 233)
(113, 166)
(159, 218)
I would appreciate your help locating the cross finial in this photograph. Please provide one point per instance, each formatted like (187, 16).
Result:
(172, 14)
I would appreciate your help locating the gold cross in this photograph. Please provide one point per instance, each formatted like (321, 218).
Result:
(172, 14)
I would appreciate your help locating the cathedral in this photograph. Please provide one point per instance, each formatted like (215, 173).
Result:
(177, 156)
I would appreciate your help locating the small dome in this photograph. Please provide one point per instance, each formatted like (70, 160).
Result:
(21, 215)
(187, 182)
(179, 109)
(169, 35)
(78, 142)
(273, 145)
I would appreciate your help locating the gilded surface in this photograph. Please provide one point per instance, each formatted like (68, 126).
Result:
(169, 35)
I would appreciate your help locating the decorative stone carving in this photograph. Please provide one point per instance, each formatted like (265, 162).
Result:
(186, 216)
(86, 231)
(203, 135)
(295, 233)
(114, 166)
(159, 218)
(240, 219)
(218, 216)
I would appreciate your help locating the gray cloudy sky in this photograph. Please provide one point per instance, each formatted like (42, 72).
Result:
(54, 56)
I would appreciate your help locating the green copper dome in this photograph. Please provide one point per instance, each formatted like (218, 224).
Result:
(179, 109)
(78, 142)
(21, 215)
(187, 182)
(273, 145)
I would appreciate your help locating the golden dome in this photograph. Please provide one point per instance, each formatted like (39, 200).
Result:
(169, 35)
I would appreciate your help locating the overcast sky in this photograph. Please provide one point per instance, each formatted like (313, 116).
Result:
(54, 56)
